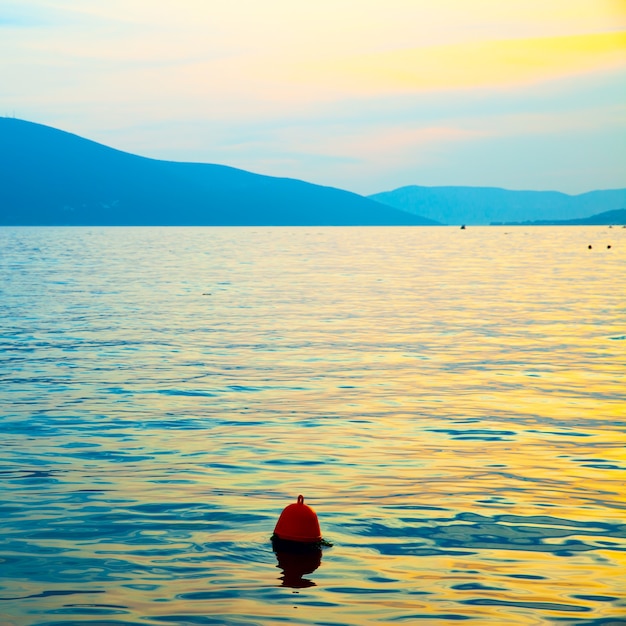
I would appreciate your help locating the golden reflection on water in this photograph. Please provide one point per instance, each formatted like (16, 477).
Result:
(450, 402)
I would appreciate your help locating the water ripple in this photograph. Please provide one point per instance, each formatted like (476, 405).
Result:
(451, 407)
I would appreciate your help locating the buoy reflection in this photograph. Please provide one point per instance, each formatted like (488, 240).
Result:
(296, 561)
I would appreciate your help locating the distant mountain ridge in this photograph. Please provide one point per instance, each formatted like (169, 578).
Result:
(606, 218)
(51, 177)
(487, 205)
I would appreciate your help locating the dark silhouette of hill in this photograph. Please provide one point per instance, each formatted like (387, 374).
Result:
(486, 205)
(606, 218)
(51, 177)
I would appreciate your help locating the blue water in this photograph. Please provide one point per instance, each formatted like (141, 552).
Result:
(451, 403)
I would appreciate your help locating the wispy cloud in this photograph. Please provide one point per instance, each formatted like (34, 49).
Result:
(359, 91)
(499, 63)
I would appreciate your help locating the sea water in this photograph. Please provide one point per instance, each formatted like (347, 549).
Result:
(452, 403)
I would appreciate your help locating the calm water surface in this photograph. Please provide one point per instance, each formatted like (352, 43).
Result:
(452, 404)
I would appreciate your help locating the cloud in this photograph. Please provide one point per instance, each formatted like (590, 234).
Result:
(502, 64)
(359, 91)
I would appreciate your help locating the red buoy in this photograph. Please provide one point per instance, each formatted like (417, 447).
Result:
(298, 522)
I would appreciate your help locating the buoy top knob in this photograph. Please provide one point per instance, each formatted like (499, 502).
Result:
(298, 522)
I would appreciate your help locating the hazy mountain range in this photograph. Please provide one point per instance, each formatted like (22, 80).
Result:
(488, 205)
(51, 177)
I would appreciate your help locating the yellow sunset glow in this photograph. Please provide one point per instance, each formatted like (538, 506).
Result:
(475, 64)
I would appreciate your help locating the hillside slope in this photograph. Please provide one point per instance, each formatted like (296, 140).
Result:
(51, 177)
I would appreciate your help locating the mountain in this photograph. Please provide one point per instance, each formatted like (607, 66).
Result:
(51, 177)
(486, 205)
(606, 218)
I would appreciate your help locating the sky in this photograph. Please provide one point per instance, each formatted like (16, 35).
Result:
(365, 95)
